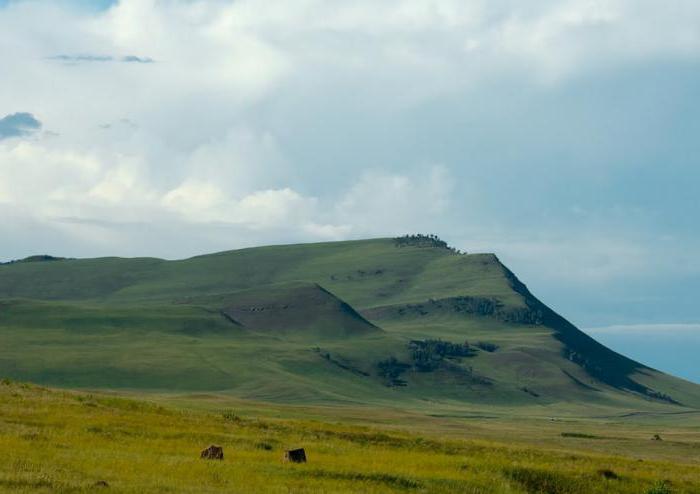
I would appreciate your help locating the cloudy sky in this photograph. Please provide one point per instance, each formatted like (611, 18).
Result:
(562, 135)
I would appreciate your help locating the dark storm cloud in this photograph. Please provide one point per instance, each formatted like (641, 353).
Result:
(135, 59)
(18, 125)
(86, 58)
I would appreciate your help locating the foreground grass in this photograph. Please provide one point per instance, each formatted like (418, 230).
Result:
(69, 442)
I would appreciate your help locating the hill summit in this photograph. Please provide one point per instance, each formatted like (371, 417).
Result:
(403, 320)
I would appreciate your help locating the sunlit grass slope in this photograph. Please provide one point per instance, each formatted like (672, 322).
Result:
(59, 441)
(364, 273)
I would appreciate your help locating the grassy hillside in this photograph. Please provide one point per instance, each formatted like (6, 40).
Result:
(293, 309)
(60, 441)
(379, 322)
(364, 273)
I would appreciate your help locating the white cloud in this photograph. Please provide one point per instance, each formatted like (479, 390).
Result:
(576, 36)
(239, 161)
(78, 191)
(380, 203)
(203, 202)
(274, 207)
(586, 256)
(195, 42)
(231, 55)
(327, 231)
(30, 171)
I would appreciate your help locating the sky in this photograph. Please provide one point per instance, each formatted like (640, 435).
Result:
(669, 347)
(561, 135)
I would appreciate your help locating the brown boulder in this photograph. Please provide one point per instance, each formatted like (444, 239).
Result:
(295, 455)
(213, 452)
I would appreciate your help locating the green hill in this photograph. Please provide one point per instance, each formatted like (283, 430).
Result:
(387, 321)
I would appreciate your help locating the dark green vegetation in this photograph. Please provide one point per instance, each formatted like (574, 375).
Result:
(381, 322)
(37, 258)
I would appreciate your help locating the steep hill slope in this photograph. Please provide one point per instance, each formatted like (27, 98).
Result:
(380, 320)
(292, 309)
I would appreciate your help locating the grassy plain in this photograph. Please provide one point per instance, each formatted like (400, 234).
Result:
(64, 441)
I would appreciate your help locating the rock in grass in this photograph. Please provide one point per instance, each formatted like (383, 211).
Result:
(213, 452)
(100, 484)
(295, 455)
(608, 474)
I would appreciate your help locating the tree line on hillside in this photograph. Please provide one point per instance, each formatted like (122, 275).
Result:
(422, 240)
(430, 355)
(38, 258)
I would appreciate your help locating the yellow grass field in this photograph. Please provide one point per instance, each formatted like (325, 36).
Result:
(62, 441)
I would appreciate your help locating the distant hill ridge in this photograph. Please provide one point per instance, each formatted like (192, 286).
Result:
(36, 258)
(335, 321)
